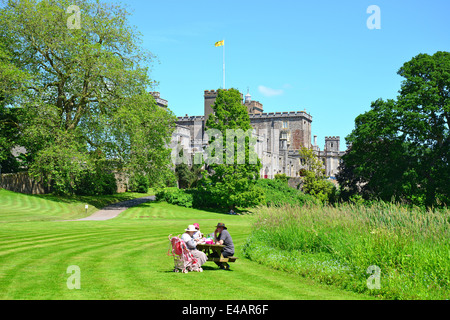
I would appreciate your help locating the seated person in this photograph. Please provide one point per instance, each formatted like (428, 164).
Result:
(191, 244)
(197, 234)
(224, 238)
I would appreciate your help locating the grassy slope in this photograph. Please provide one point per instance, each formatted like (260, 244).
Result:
(125, 258)
(16, 207)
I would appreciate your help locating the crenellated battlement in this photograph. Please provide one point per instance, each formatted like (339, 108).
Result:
(261, 116)
(191, 118)
(332, 138)
(213, 92)
(254, 104)
(286, 114)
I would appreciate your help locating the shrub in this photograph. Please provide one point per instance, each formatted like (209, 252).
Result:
(282, 177)
(203, 198)
(319, 187)
(175, 196)
(139, 183)
(267, 192)
(278, 193)
(231, 187)
(95, 183)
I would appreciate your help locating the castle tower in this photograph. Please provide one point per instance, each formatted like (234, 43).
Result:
(332, 155)
(210, 98)
(332, 144)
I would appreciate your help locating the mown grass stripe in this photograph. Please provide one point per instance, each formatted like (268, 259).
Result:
(126, 257)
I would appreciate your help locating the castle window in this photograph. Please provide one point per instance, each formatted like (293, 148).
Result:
(332, 144)
(285, 124)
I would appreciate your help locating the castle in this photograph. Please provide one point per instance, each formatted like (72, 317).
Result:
(279, 136)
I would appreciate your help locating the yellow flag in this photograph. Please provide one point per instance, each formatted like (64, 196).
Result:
(220, 43)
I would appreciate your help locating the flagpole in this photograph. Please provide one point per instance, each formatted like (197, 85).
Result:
(224, 64)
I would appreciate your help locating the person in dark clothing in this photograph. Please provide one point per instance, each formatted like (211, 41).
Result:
(224, 238)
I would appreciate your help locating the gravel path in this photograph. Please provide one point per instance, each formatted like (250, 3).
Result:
(114, 210)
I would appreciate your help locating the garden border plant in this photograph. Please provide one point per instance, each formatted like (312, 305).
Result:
(336, 245)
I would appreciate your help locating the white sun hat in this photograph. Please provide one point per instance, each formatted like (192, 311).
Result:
(191, 228)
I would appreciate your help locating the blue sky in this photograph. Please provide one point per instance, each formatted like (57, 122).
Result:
(292, 55)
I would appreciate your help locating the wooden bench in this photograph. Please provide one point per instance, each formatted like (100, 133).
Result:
(223, 259)
(207, 248)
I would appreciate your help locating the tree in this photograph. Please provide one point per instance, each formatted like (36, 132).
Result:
(188, 177)
(400, 148)
(311, 162)
(314, 180)
(8, 135)
(12, 80)
(87, 96)
(233, 173)
(378, 163)
(424, 108)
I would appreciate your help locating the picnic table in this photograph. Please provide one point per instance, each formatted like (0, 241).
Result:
(210, 249)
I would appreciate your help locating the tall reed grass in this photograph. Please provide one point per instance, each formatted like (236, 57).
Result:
(336, 245)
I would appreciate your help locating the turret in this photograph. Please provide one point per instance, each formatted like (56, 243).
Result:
(332, 143)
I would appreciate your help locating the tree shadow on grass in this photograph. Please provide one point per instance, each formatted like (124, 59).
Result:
(205, 269)
(213, 210)
(95, 201)
(215, 268)
(225, 211)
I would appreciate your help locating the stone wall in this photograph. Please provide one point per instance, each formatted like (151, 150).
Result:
(21, 182)
(294, 182)
(121, 181)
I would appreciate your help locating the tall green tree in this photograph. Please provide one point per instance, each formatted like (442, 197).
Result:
(378, 162)
(87, 97)
(424, 108)
(12, 81)
(314, 180)
(235, 166)
(400, 149)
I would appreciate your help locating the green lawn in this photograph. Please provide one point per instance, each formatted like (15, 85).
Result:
(126, 257)
(16, 207)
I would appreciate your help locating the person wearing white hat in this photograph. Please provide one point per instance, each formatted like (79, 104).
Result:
(191, 244)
